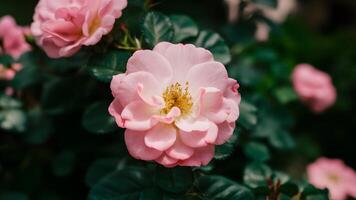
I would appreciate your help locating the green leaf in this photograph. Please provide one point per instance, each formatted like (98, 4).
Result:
(184, 28)
(283, 178)
(66, 64)
(128, 184)
(104, 66)
(248, 114)
(216, 44)
(96, 119)
(285, 95)
(156, 28)
(245, 71)
(221, 188)
(291, 189)
(63, 164)
(63, 95)
(99, 169)
(6, 60)
(7, 102)
(175, 180)
(102, 167)
(13, 120)
(256, 174)
(28, 76)
(311, 191)
(257, 151)
(270, 3)
(282, 140)
(13, 196)
(224, 151)
(318, 197)
(30, 73)
(39, 127)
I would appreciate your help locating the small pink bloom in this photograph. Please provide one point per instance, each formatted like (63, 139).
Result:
(13, 38)
(176, 104)
(8, 74)
(9, 91)
(334, 175)
(62, 27)
(314, 87)
(262, 32)
(233, 9)
(277, 15)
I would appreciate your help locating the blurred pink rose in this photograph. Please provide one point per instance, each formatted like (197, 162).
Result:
(280, 14)
(176, 104)
(334, 175)
(8, 74)
(62, 27)
(262, 32)
(12, 37)
(277, 15)
(314, 87)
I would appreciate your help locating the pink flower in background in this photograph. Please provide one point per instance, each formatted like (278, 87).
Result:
(334, 175)
(8, 74)
(176, 104)
(62, 27)
(314, 87)
(12, 37)
(277, 15)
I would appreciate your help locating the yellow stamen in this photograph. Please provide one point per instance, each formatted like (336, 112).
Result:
(175, 96)
(334, 178)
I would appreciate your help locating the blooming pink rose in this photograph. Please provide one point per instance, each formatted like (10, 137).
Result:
(314, 87)
(334, 175)
(62, 27)
(13, 38)
(176, 104)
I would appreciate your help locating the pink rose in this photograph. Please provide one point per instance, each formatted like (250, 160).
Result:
(277, 15)
(176, 104)
(13, 38)
(314, 87)
(62, 27)
(334, 175)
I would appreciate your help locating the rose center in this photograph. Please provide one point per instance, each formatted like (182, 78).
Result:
(94, 24)
(334, 178)
(176, 96)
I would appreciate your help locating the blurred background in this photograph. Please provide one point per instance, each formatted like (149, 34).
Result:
(321, 32)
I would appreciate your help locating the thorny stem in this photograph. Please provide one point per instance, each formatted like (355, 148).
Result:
(274, 189)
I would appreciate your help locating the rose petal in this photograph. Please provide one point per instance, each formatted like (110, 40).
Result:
(210, 74)
(183, 57)
(151, 62)
(161, 137)
(201, 157)
(136, 146)
(193, 124)
(180, 151)
(167, 161)
(138, 116)
(211, 105)
(134, 85)
(225, 132)
(115, 110)
(198, 138)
